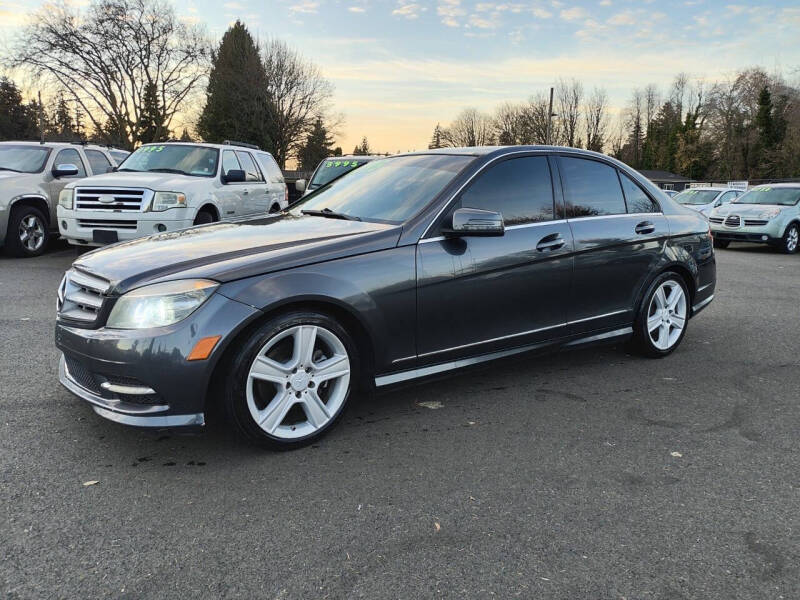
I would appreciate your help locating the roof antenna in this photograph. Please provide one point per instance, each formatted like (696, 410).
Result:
(41, 119)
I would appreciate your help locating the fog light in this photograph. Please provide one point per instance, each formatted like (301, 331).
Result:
(63, 224)
(161, 228)
(764, 237)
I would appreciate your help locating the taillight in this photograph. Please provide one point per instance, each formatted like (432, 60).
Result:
(286, 195)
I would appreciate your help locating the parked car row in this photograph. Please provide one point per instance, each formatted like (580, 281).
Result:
(406, 267)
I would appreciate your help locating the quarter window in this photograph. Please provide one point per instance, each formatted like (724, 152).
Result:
(70, 156)
(727, 197)
(520, 189)
(230, 162)
(98, 162)
(636, 198)
(250, 169)
(591, 188)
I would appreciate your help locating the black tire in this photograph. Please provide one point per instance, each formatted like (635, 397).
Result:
(14, 244)
(203, 218)
(789, 244)
(235, 402)
(721, 243)
(275, 208)
(642, 343)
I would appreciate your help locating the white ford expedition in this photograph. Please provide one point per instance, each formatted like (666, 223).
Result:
(170, 186)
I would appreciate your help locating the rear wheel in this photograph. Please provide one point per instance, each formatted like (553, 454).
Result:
(203, 217)
(791, 238)
(27, 233)
(721, 243)
(291, 380)
(663, 316)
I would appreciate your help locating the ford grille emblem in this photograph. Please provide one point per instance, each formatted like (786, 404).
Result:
(106, 199)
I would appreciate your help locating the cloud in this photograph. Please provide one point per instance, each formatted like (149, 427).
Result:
(450, 11)
(605, 2)
(408, 10)
(233, 6)
(573, 14)
(481, 23)
(541, 13)
(357, 9)
(304, 8)
(623, 18)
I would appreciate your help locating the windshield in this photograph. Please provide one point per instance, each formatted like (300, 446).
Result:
(167, 158)
(770, 195)
(696, 196)
(332, 168)
(390, 190)
(23, 159)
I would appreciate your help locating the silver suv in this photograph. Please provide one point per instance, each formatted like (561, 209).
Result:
(169, 186)
(32, 174)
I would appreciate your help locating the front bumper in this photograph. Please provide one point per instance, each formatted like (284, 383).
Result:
(78, 227)
(770, 233)
(143, 377)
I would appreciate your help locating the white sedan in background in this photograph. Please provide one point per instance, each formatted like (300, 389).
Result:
(705, 199)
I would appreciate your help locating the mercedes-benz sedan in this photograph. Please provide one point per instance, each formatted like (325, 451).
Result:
(411, 266)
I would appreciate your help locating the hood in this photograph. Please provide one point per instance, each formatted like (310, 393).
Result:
(165, 182)
(228, 251)
(13, 182)
(745, 210)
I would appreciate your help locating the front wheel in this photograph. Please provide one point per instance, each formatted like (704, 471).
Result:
(291, 380)
(663, 316)
(790, 240)
(27, 234)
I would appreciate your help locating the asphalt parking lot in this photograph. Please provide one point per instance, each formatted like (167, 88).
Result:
(591, 474)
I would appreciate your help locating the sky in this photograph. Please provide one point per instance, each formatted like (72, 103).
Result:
(399, 67)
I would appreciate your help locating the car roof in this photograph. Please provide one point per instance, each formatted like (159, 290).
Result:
(209, 145)
(61, 145)
(788, 185)
(366, 157)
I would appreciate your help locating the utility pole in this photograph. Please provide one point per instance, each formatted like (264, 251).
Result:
(41, 119)
(550, 116)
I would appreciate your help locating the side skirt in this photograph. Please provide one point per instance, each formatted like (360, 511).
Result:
(384, 380)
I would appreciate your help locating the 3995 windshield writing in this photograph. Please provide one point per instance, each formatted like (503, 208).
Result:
(390, 190)
(770, 195)
(183, 159)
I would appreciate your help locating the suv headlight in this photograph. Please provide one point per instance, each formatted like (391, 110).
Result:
(65, 198)
(167, 200)
(160, 304)
(770, 213)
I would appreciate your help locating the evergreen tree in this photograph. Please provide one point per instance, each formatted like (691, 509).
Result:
(17, 121)
(61, 126)
(185, 137)
(152, 121)
(319, 145)
(436, 139)
(363, 148)
(236, 108)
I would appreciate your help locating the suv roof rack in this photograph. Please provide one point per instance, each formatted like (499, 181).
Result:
(242, 144)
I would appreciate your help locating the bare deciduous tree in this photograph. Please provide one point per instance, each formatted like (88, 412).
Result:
(469, 128)
(509, 124)
(107, 57)
(535, 120)
(297, 95)
(596, 120)
(569, 96)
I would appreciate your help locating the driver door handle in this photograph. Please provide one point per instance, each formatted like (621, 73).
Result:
(645, 227)
(245, 191)
(554, 241)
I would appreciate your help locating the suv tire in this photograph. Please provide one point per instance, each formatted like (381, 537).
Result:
(291, 380)
(27, 234)
(791, 239)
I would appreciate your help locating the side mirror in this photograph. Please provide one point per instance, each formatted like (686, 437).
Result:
(717, 203)
(300, 185)
(234, 176)
(65, 170)
(473, 221)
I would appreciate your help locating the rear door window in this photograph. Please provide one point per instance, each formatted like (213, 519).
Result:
(637, 200)
(98, 162)
(249, 166)
(520, 189)
(591, 188)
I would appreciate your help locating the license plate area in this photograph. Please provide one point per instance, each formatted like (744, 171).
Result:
(104, 236)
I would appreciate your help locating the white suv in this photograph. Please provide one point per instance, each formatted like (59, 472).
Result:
(31, 176)
(170, 186)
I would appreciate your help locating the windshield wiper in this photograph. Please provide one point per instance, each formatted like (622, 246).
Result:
(166, 170)
(9, 169)
(328, 213)
(131, 170)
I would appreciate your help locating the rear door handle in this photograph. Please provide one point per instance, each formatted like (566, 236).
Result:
(645, 227)
(245, 192)
(554, 241)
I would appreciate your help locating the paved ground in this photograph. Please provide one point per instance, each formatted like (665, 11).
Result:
(593, 474)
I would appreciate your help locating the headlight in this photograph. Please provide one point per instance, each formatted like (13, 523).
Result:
(65, 199)
(167, 200)
(160, 304)
(770, 213)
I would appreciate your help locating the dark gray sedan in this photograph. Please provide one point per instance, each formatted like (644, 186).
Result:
(408, 267)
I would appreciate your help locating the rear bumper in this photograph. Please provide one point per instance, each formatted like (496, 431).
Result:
(78, 227)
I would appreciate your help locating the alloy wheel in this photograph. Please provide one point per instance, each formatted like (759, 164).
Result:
(298, 381)
(792, 239)
(666, 315)
(31, 233)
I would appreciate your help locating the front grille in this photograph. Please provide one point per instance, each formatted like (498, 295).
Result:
(755, 222)
(107, 224)
(717, 220)
(81, 296)
(110, 199)
(81, 375)
(733, 221)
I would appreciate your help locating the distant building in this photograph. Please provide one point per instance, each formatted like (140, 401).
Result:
(666, 180)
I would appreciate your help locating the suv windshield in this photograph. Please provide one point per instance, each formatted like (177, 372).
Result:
(696, 196)
(167, 158)
(23, 159)
(332, 168)
(390, 190)
(770, 195)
